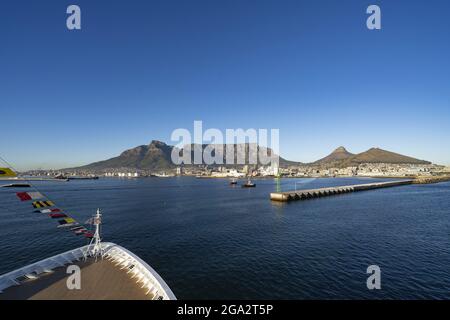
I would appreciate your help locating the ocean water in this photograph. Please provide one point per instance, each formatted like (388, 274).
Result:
(210, 240)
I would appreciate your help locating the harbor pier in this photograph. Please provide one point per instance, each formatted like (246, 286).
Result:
(323, 192)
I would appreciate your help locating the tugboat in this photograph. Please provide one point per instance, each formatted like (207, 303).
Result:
(60, 176)
(249, 184)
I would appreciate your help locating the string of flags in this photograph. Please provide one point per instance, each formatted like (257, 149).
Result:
(46, 206)
(7, 173)
(63, 219)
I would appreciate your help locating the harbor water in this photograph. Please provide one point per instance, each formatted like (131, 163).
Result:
(210, 240)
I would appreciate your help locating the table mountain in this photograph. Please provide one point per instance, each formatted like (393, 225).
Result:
(157, 156)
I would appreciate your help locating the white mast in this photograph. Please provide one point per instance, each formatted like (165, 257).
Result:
(95, 246)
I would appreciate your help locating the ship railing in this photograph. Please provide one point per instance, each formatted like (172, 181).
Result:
(140, 271)
(31, 271)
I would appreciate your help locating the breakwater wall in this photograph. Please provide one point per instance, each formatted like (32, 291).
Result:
(324, 192)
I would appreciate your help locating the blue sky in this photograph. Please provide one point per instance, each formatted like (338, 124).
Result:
(140, 69)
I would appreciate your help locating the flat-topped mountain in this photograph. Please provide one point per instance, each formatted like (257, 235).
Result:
(244, 151)
(157, 156)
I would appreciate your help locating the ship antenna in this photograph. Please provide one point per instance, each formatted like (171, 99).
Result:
(95, 248)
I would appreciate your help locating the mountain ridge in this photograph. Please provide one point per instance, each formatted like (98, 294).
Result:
(377, 155)
(157, 156)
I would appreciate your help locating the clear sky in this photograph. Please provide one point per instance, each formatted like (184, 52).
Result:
(140, 69)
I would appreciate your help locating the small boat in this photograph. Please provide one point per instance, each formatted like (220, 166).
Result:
(163, 175)
(61, 177)
(16, 185)
(83, 178)
(233, 182)
(249, 184)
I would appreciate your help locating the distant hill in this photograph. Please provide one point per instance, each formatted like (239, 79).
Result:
(342, 158)
(157, 156)
(376, 155)
(337, 155)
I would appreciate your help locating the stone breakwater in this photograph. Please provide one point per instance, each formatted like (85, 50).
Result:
(324, 192)
(426, 180)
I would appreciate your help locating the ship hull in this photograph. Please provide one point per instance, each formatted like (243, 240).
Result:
(117, 275)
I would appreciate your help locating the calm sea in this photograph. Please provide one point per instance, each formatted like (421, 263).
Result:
(209, 240)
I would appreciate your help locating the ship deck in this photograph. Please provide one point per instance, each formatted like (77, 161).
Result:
(100, 280)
